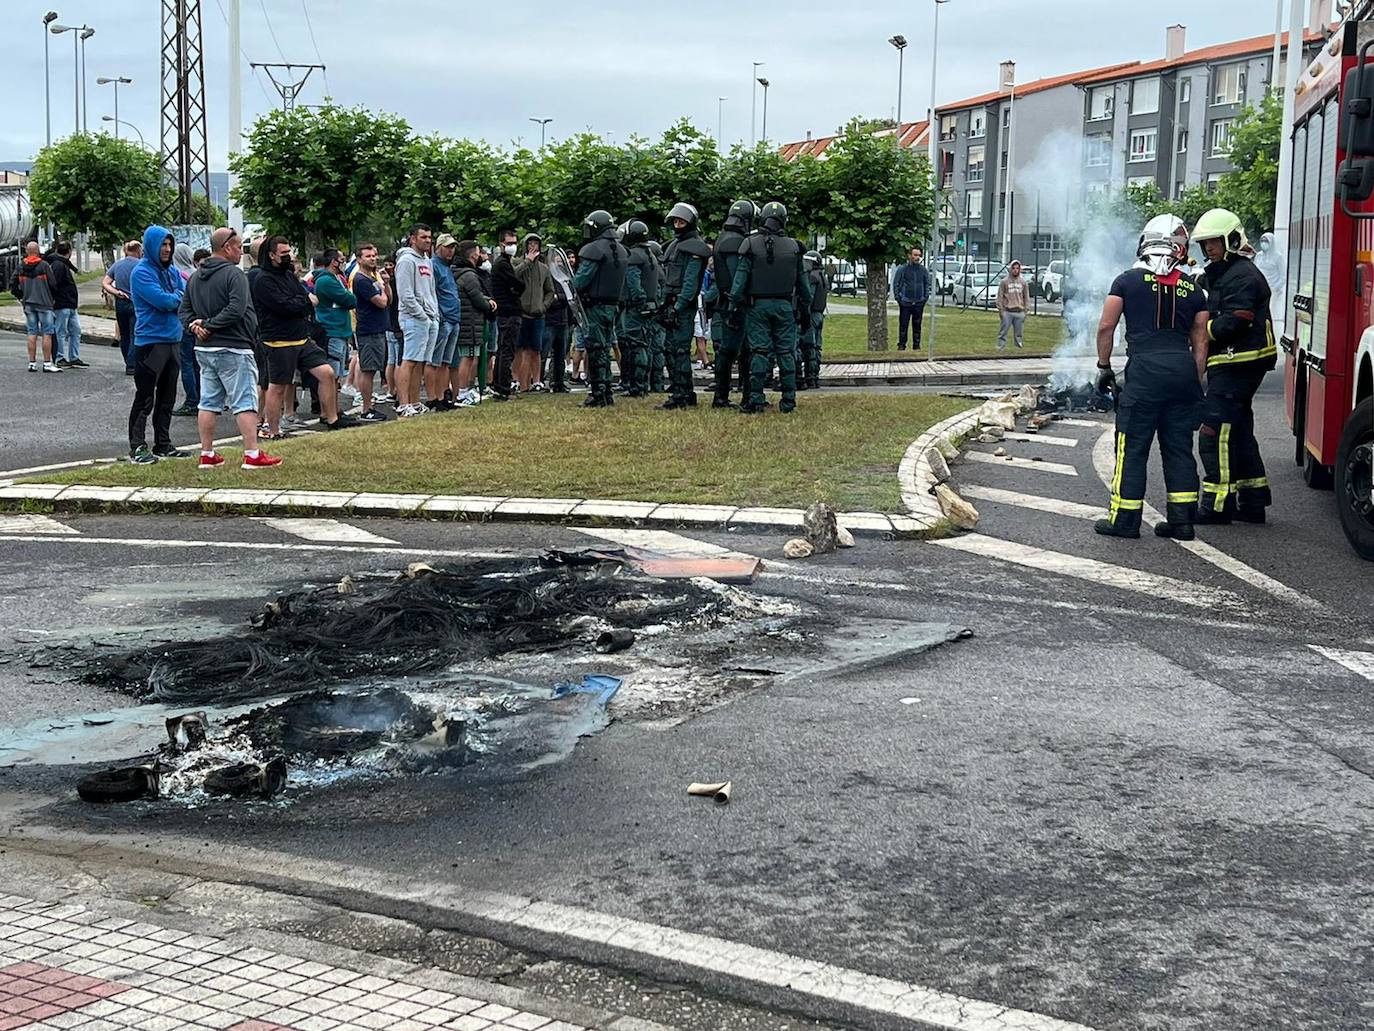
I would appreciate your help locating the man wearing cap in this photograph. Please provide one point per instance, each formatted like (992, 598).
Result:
(439, 374)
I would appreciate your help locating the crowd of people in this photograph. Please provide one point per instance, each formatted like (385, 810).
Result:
(439, 324)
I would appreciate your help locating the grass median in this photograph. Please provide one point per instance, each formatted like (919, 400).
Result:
(958, 334)
(842, 449)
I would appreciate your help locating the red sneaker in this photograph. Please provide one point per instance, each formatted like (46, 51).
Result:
(261, 461)
(213, 461)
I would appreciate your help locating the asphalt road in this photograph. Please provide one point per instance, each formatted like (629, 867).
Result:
(1113, 804)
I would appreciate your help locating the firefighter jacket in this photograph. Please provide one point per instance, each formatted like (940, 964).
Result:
(1240, 330)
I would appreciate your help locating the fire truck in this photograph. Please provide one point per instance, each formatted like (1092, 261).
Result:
(1328, 341)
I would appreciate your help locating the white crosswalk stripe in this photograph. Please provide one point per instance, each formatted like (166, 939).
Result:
(1033, 501)
(33, 524)
(1043, 438)
(325, 530)
(661, 542)
(1058, 468)
(1357, 662)
(1105, 573)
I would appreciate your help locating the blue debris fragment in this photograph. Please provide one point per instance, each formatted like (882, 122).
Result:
(603, 685)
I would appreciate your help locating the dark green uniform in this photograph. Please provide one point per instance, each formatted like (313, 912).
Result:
(768, 275)
(657, 334)
(809, 377)
(599, 282)
(636, 320)
(685, 267)
(728, 243)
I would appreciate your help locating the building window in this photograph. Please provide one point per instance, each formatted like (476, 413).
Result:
(1006, 117)
(1182, 140)
(1141, 180)
(1098, 189)
(973, 209)
(973, 172)
(947, 169)
(1185, 91)
(1004, 161)
(1229, 84)
(977, 124)
(1179, 187)
(1212, 180)
(1145, 97)
(1222, 130)
(1144, 144)
(949, 126)
(1046, 242)
(1098, 153)
(1101, 102)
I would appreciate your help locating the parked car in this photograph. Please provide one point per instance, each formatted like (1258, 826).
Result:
(943, 273)
(842, 277)
(1054, 283)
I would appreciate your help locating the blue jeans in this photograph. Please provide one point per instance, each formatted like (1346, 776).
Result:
(418, 337)
(446, 346)
(38, 321)
(190, 372)
(229, 378)
(338, 356)
(67, 328)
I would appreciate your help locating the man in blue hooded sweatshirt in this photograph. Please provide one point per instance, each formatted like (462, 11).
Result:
(155, 288)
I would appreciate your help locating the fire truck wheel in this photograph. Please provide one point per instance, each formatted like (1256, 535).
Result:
(1355, 479)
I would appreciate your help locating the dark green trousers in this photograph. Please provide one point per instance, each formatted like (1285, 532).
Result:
(600, 340)
(680, 343)
(770, 327)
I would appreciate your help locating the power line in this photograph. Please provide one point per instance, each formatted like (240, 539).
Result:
(311, 28)
(280, 52)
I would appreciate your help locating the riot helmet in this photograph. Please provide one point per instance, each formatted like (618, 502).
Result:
(685, 212)
(812, 260)
(741, 215)
(774, 216)
(634, 231)
(596, 223)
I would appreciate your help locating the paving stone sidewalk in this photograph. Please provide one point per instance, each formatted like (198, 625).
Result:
(63, 966)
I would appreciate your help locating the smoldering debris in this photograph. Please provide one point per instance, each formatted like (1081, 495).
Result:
(419, 622)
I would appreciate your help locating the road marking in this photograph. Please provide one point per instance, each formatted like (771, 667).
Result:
(1105, 573)
(1104, 462)
(1078, 422)
(33, 524)
(325, 530)
(662, 542)
(1357, 662)
(1034, 501)
(1042, 438)
(145, 542)
(1021, 463)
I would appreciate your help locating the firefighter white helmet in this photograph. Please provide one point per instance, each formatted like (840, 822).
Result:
(1163, 244)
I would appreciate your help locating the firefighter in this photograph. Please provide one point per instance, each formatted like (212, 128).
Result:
(1241, 350)
(1166, 344)
(769, 275)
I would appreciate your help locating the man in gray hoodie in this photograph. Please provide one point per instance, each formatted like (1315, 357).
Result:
(418, 309)
(217, 309)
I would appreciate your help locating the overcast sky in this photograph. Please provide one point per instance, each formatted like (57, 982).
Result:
(481, 69)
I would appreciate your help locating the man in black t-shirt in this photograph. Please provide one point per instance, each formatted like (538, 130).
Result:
(1166, 346)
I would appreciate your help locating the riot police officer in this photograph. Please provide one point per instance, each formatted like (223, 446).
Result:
(769, 273)
(599, 282)
(657, 334)
(685, 263)
(1241, 350)
(809, 371)
(728, 242)
(1166, 342)
(640, 301)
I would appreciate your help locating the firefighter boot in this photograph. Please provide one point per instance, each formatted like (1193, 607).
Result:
(1180, 521)
(1125, 524)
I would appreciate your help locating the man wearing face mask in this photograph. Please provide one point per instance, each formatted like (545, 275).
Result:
(284, 310)
(477, 306)
(685, 268)
(506, 289)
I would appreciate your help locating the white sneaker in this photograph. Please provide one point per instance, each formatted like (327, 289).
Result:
(467, 400)
(33, 366)
(383, 399)
(51, 367)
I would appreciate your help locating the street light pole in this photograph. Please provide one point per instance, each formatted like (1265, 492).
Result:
(720, 115)
(119, 121)
(764, 83)
(935, 171)
(86, 33)
(104, 80)
(900, 43)
(1007, 182)
(541, 122)
(76, 31)
(753, 106)
(48, 19)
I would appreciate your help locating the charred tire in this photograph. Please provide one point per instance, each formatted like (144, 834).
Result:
(235, 780)
(1316, 475)
(123, 785)
(1354, 472)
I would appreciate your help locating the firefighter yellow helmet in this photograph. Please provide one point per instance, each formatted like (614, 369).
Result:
(1220, 224)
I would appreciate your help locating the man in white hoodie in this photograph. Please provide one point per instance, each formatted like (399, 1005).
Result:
(418, 307)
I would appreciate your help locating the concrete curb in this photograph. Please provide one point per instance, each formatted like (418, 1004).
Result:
(565, 511)
(916, 473)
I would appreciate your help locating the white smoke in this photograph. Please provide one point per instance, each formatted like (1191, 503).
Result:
(1270, 260)
(1101, 244)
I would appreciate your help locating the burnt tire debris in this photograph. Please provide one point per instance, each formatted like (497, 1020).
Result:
(417, 622)
(122, 784)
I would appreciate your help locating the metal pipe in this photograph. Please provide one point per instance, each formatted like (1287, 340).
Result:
(235, 215)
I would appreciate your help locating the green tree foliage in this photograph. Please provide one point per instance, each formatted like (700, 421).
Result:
(98, 185)
(318, 175)
(875, 201)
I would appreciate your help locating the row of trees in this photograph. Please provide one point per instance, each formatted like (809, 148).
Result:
(335, 175)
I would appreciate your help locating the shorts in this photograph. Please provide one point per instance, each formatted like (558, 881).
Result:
(393, 347)
(470, 350)
(700, 325)
(228, 378)
(284, 362)
(418, 338)
(531, 334)
(338, 355)
(260, 354)
(446, 346)
(38, 321)
(372, 351)
(579, 340)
